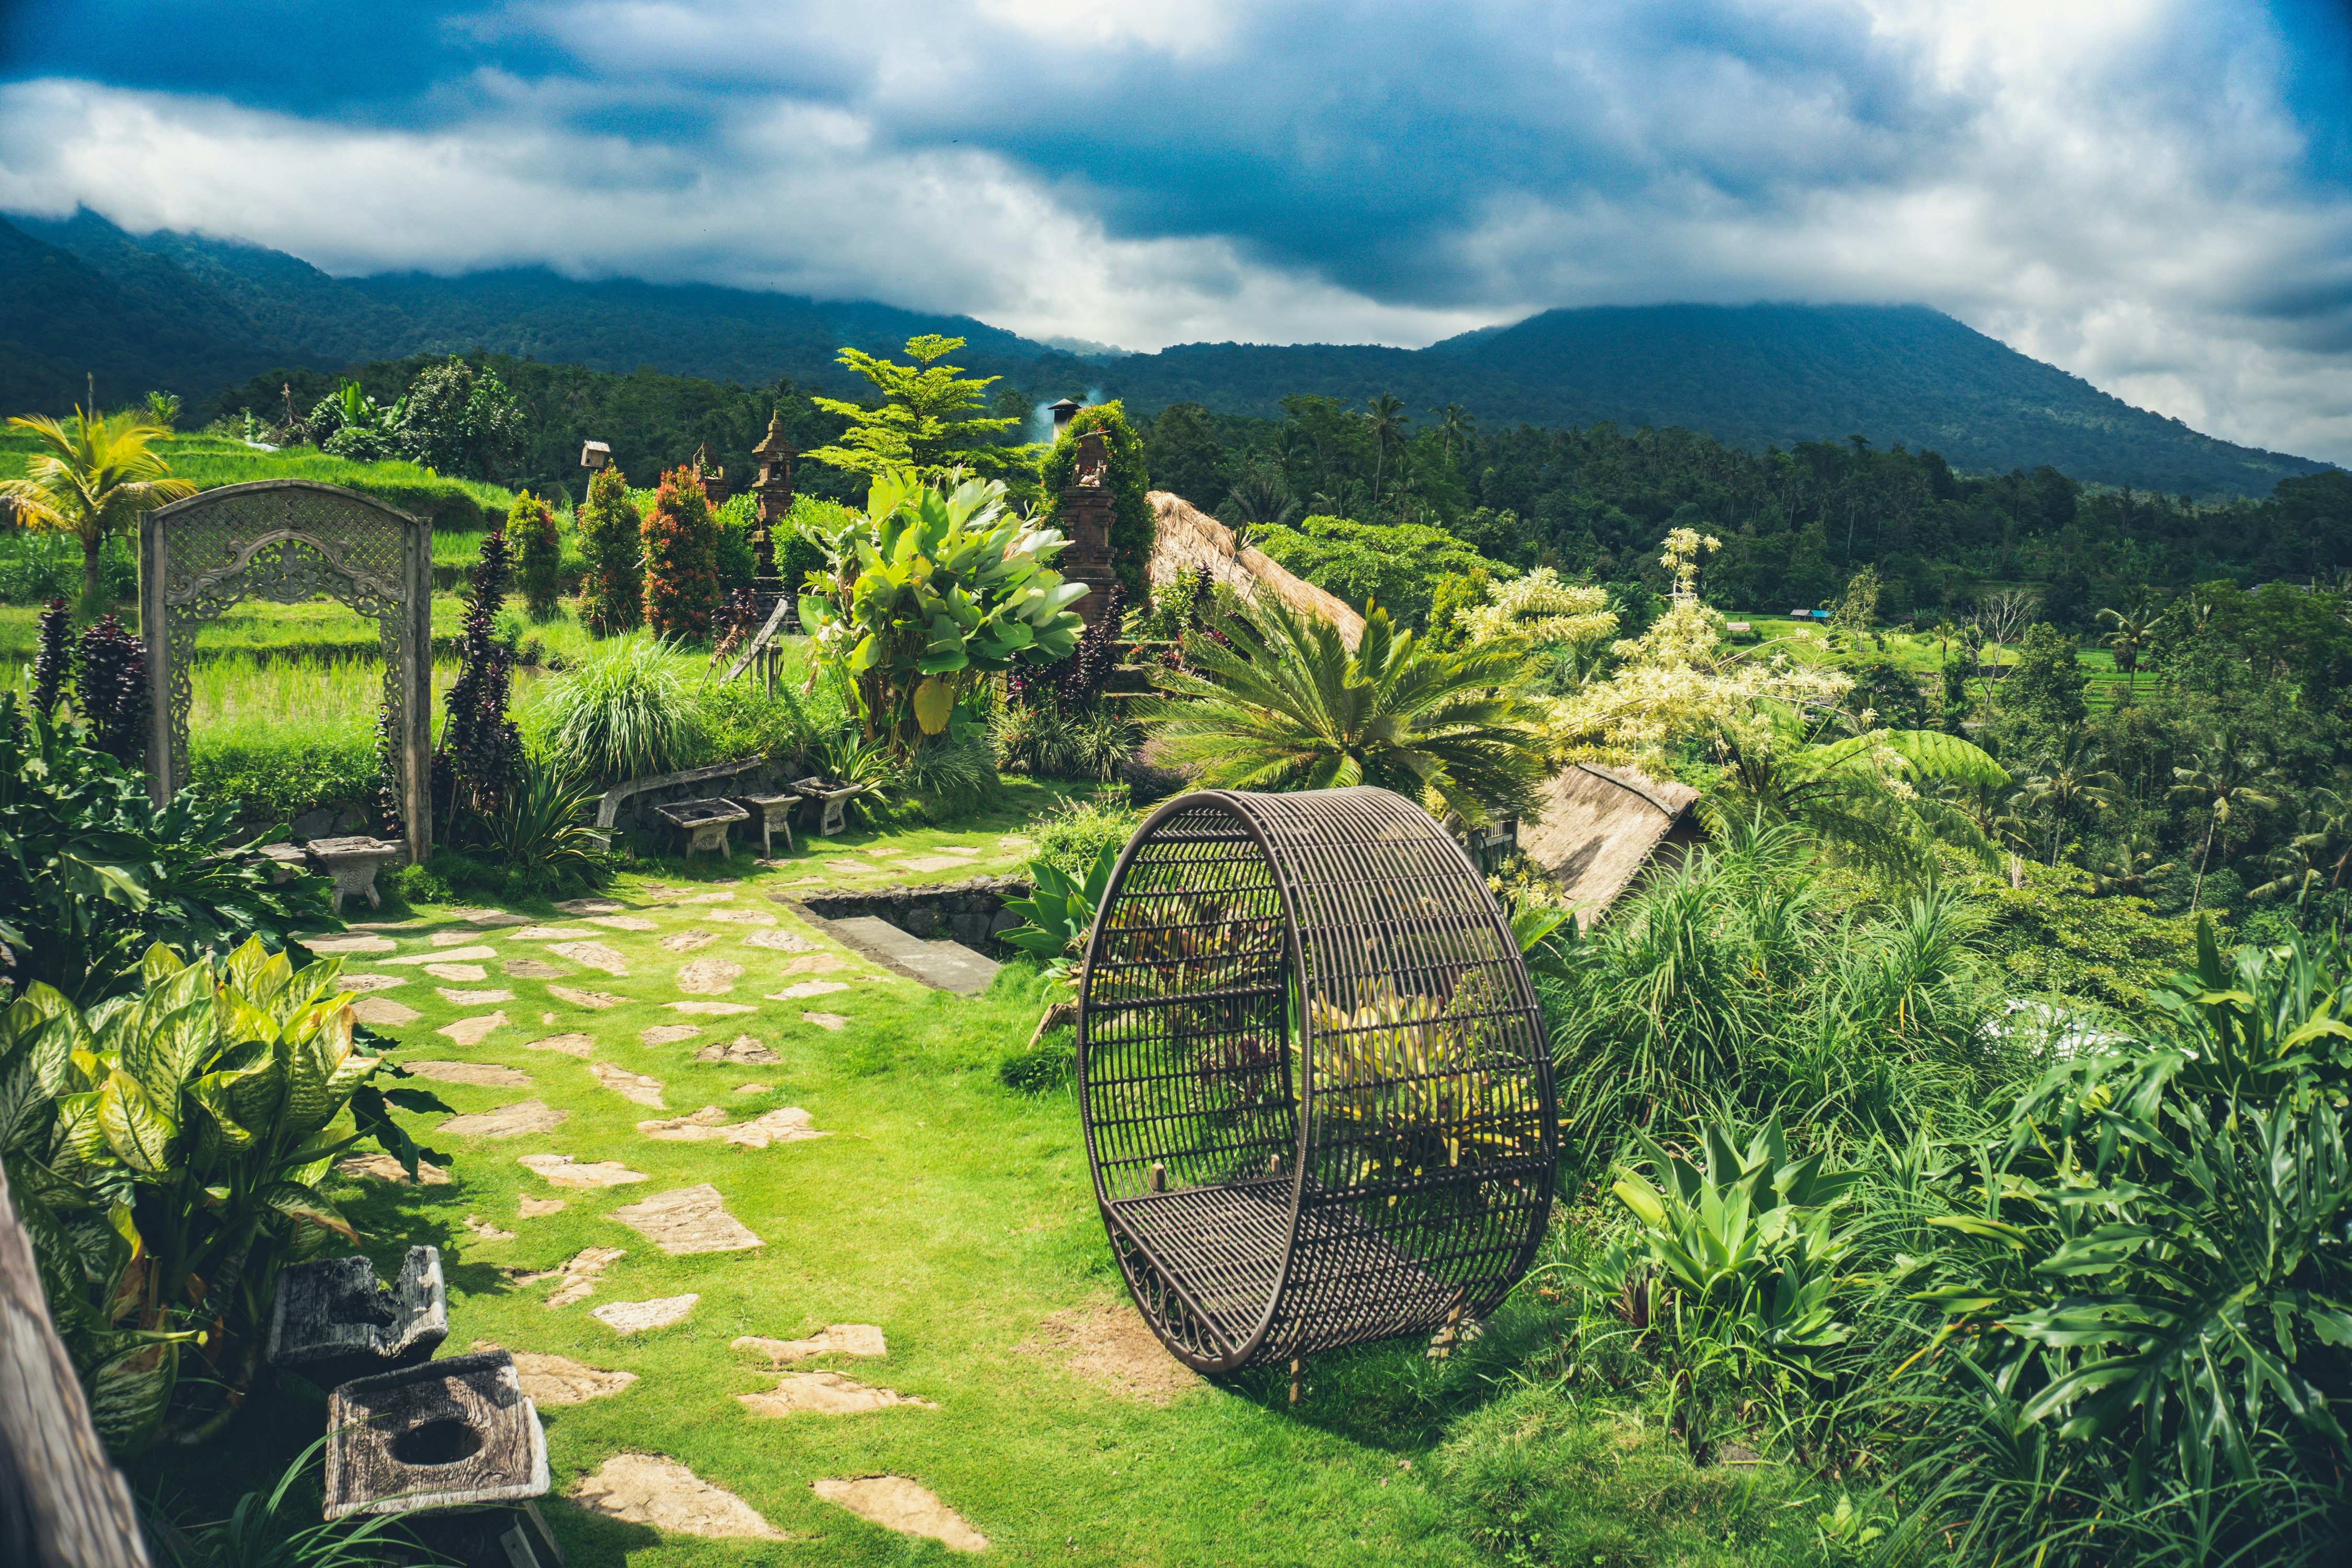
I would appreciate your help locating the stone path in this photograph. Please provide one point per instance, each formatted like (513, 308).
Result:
(787, 1125)
(743, 1048)
(472, 998)
(470, 1072)
(780, 941)
(669, 1034)
(709, 976)
(454, 955)
(742, 917)
(825, 1394)
(505, 1121)
(579, 1046)
(825, 1020)
(557, 1379)
(647, 1489)
(563, 1170)
(576, 1281)
(382, 1167)
(472, 1031)
(894, 1502)
(637, 1317)
(688, 1220)
(532, 968)
(595, 954)
(595, 1000)
(714, 1009)
(635, 1088)
(456, 972)
(807, 989)
(841, 1338)
(383, 1011)
(686, 942)
(372, 981)
(942, 965)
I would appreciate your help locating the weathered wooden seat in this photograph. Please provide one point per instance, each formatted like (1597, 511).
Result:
(772, 812)
(333, 1321)
(458, 1433)
(702, 824)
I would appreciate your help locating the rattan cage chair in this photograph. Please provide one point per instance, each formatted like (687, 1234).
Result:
(1315, 1086)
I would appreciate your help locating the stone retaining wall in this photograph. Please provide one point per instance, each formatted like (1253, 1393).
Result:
(972, 912)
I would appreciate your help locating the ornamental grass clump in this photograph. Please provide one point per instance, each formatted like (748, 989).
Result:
(681, 538)
(622, 714)
(612, 543)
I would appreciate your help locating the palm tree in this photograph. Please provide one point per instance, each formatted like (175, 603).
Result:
(2228, 781)
(2133, 629)
(1260, 498)
(2125, 866)
(1456, 426)
(98, 475)
(2067, 781)
(2319, 852)
(1286, 706)
(1386, 421)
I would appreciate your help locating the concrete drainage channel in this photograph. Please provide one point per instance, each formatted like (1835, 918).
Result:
(895, 927)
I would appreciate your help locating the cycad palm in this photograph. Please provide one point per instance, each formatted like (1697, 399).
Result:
(97, 477)
(1283, 705)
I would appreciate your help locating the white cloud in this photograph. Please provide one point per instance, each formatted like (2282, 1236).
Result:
(2114, 186)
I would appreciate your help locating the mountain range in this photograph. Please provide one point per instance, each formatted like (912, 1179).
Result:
(79, 298)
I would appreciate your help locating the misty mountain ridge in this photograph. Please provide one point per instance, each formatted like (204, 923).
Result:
(191, 314)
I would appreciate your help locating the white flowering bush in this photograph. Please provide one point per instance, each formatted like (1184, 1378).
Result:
(1541, 610)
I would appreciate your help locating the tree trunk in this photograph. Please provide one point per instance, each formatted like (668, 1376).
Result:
(62, 1505)
(2198, 891)
(90, 549)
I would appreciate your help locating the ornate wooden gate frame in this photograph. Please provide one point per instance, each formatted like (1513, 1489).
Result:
(284, 540)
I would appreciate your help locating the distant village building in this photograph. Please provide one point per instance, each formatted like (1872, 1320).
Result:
(1600, 828)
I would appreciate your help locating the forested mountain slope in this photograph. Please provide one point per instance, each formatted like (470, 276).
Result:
(190, 314)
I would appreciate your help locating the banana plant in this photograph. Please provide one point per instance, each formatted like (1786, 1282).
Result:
(931, 589)
(167, 1150)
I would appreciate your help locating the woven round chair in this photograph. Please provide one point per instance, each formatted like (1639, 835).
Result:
(1316, 1090)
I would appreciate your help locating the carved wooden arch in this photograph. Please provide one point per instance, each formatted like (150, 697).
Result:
(284, 540)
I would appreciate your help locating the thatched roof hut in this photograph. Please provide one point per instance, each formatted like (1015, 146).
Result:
(1189, 539)
(1600, 827)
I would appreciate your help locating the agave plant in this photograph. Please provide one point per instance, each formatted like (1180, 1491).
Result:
(1060, 912)
(542, 831)
(166, 1150)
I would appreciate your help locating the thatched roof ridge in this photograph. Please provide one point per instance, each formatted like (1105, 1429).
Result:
(1189, 539)
(1600, 826)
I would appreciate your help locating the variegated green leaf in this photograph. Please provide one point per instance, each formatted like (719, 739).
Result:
(142, 1135)
(129, 1395)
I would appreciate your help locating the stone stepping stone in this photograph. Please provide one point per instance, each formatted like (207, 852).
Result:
(473, 998)
(743, 1048)
(576, 1281)
(384, 1010)
(786, 1124)
(533, 1208)
(669, 1034)
(453, 938)
(532, 968)
(688, 1220)
(380, 1166)
(807, 989)
(780, 941)
(942, 965)
(368, 944)
(825, 1020)
(742, 917)
(563, 1170)
(637, 1317)
(807, 883)
(709, 976)
(753, 1088)
(716, 1009)
(591, 907)
(595, 954)
(908, 1507)
(931, 863)
(648, 1489)
(482, 1073)
(709, 898)
(552, 933)
(456, 972)
(472, 1031)
(623, 922)
(825, 1394)
(507, 1121)
(815, 964)
(372, 982)
(598, 1000)
(491, 918)
(686, 942)
(851, 867)
(840, 1339)
(635, 1088)
(453, 955)
(579, 1046)
(558, 1380)
(487, 1231)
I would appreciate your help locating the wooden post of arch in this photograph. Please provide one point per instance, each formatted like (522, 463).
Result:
(285, 540)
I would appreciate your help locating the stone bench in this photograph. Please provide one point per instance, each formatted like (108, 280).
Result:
(772, 812)
(608, 810)
(702, 824)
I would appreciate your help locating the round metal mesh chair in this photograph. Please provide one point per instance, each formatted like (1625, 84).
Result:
(1315, 1086)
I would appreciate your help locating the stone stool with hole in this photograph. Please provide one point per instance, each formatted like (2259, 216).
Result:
(702, 824)
(456, 1437)
(333, 1321)
(826, 799)
(774, 812)
(352, 863)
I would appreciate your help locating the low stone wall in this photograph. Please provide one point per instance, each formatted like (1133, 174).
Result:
(972, 912)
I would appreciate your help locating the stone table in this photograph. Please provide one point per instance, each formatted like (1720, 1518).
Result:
(772, 812)
(352, 863)
(703, 824)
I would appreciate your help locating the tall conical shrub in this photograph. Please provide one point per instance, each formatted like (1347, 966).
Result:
(612, 544)
(481, 750)
(681, 537)
(531, 526)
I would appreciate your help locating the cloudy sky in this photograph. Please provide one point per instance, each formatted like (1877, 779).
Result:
(2156, 195)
